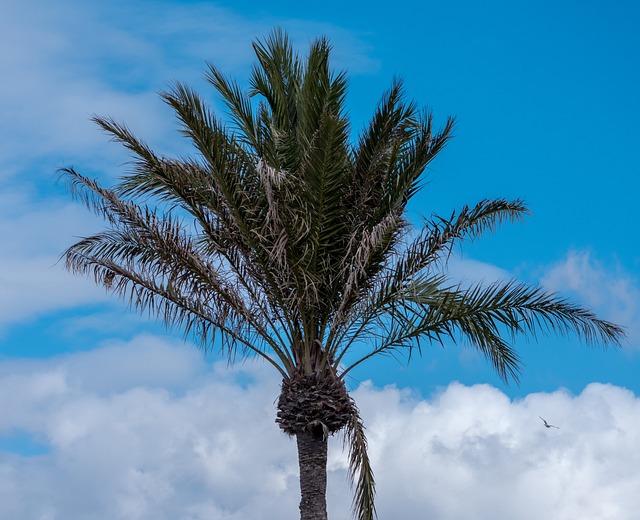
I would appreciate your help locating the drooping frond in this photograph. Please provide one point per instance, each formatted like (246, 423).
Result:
(151, 261)
(520, 308)
(360, 470)
(481, 316)
(375, 292)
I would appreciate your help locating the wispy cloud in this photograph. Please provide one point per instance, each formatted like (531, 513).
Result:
(468, 271)
(32, 280)
(607, 288)
(64, 63)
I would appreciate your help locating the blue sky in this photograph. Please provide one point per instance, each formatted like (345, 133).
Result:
(545, 97)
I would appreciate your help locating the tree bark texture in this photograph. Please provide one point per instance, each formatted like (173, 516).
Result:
(312, 457)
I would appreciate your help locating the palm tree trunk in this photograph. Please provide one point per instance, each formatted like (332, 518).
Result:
(312, 457)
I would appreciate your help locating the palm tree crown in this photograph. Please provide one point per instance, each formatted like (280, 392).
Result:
(287, 238)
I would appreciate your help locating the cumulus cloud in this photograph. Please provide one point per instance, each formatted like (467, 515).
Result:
(607, 289)
(147, 430)
(472, 453)
(137, 448)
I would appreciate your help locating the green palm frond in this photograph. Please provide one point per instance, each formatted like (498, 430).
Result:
(376, 292)
(519, 308)
(440, 235)
(240, 108)
(277, 79)
(482, 315)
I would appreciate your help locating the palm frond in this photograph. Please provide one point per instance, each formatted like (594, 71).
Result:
(360, 472)
(478, 312)
(239, 105)
(149, 259)
(277, 78)
(481, 315)
(376, 282)
(441, 235)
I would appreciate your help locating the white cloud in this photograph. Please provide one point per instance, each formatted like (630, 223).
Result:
(607, 289)
(473, 442)
(145, 430)
(133, 447)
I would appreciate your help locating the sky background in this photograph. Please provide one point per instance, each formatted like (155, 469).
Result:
(105, 415)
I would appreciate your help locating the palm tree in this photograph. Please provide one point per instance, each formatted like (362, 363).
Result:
(287, 239)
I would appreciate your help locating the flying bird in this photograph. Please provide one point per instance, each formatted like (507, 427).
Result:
(547, 425)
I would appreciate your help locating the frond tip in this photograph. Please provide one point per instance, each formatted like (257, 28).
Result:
(481, 314)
